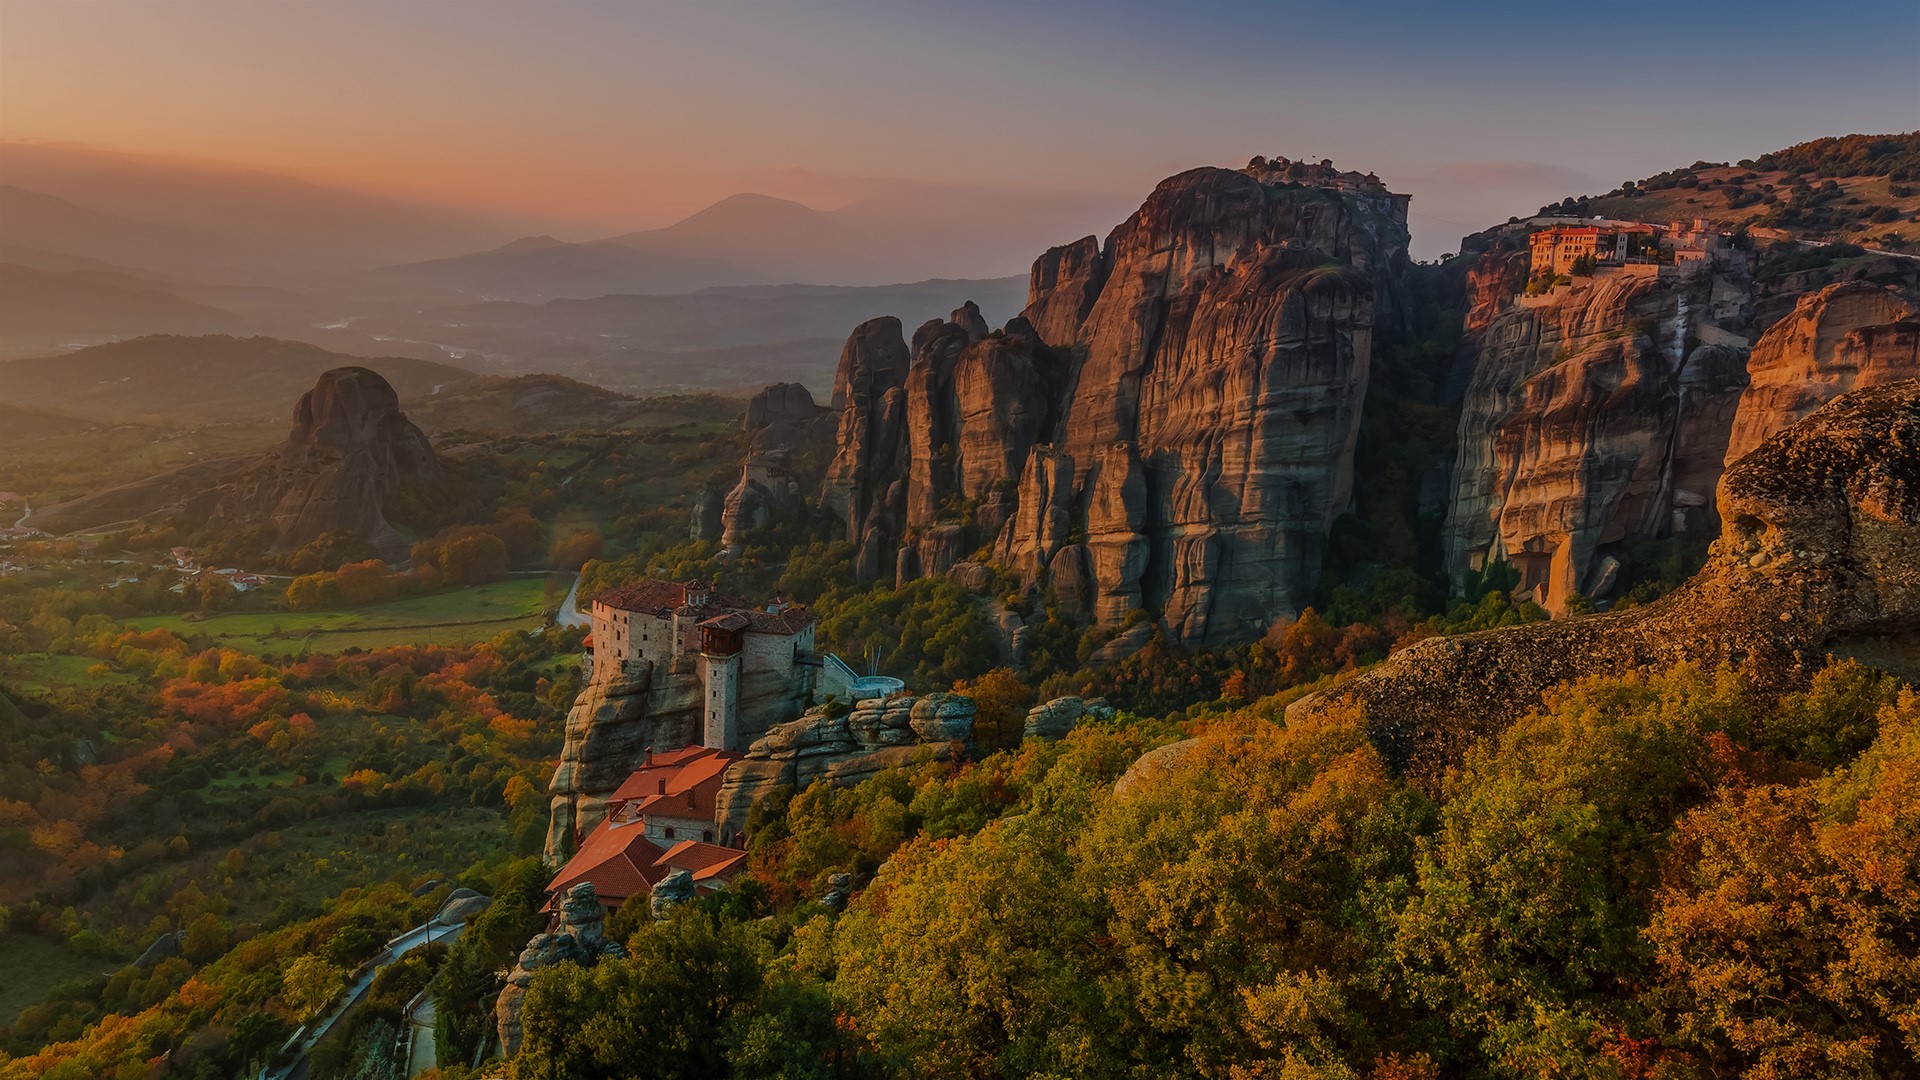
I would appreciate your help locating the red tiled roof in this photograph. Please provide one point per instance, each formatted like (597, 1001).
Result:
(706, 862)
(693, 790)
(619, 860)
(732, 620)
(645, 780)
(664, 598)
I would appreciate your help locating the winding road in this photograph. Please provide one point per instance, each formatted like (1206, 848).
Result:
(570, 613)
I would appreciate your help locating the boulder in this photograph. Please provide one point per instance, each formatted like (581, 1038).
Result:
(164, 947)
(839, 891)
(461, 906)
(943, 717)
(1054, 719)
(674, 889)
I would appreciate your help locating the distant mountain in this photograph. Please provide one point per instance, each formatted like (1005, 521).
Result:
(42, 310)
(278, 219)
(788, 242)
(199, 380)
(53, 225)
(723, 339)
(539, 268)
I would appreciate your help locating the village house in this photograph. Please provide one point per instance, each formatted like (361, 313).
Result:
(660, 820)
(752, 662)
(1680, 247)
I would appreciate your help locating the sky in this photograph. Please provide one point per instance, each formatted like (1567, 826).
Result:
(587, 119)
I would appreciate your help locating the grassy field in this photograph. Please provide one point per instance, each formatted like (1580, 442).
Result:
(40, 673)
(454, 617)
(36, 964)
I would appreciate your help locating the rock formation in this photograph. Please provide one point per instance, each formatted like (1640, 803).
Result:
(1847, 335)
(1819, 554)
(839, 891)
(782, 421)
(581, 938)
(1603, 413)
(844, 747)
(349, 449)
(674, 889)
(1055, 719)
(1592, 418)
(1168, 426)
(616, 718)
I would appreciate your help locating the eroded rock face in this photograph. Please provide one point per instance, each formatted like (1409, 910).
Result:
(350, 447)
(613, 722)
(1604, 413)
(580, 938)
(1847, 335)
(843, 749)
(1819, 554)
(1186, 396)
(781, 421)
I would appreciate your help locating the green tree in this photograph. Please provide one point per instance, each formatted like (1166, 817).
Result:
(309, 983)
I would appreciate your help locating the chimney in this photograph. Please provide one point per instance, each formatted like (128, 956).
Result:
(649, 755)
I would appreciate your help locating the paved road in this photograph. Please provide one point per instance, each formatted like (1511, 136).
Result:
(399, 947)
(425, 1055)
(570, 613)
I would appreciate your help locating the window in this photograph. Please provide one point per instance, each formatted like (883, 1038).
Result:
(707, 836)
(667, 832)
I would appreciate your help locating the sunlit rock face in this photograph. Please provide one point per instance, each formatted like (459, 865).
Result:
(1848, 335)
(1174, 413)
(1603, 414)
(1818, 556)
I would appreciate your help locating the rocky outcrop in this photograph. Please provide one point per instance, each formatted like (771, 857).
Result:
(1592, 417)
(581, 938)
(1177, 407)
(844, 747)
(1604, 412)
(1057, 718)
(781, 422)
(671, 891)
(1819, 554)
(615, 720)
(1847, 335)
(349, 449)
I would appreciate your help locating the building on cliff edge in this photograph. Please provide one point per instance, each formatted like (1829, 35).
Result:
(688, 629)
(660, 820)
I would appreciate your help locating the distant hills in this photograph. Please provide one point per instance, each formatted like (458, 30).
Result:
(41, 310)
(750, 239)
(728, 339)
(542, 268)
(1864, 189)
(169, 213)
(184, 381)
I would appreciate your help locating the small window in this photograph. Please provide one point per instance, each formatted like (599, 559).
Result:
(667, 832)
(707, 836)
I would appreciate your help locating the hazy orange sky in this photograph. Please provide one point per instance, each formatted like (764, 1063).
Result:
(594, 118)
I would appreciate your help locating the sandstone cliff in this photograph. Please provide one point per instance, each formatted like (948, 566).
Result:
(627, 710)
(1168, 426)
(1819, 555)
(1847, 335)
(1604, 413)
